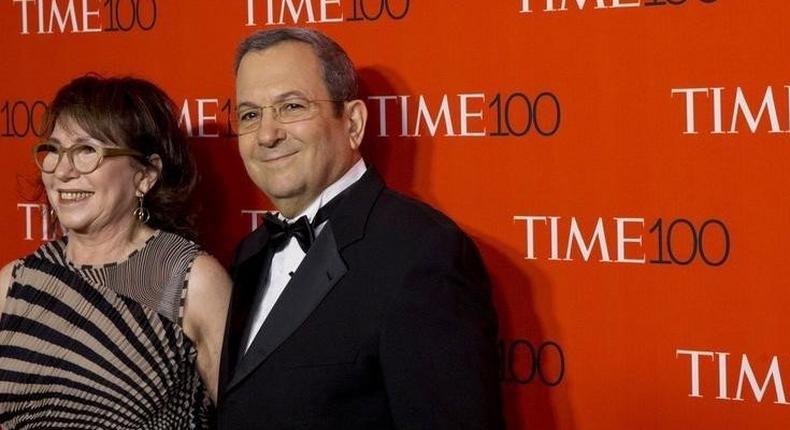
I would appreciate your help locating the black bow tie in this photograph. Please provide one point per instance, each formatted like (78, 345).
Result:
(280, 232)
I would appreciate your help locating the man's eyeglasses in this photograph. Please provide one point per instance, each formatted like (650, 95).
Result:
(83, 156)
(248, 118)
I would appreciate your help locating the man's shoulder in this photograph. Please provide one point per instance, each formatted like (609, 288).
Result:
(408, 217)
(413, 237)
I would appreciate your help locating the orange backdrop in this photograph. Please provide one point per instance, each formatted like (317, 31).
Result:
(620, 163)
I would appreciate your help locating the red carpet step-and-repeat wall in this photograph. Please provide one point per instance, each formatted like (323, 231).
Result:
(622, 165)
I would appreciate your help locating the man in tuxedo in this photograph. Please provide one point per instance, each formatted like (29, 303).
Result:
(354, 307)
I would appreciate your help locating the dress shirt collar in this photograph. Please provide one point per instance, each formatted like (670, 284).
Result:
(352, 175)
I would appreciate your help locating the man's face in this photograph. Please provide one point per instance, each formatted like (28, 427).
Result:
(292, 163)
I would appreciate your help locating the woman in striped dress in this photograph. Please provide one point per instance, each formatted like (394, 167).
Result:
(118, 324)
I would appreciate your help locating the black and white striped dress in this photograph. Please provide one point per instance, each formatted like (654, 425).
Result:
(101, 347)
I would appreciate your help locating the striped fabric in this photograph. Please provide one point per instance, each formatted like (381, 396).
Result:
(100, 347)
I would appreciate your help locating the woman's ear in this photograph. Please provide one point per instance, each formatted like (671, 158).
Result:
(149, 174)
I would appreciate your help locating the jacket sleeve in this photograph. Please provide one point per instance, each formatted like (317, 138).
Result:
(438, 341)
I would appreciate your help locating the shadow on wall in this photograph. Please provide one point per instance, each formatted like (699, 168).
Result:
(394, 156)
(530, 402)
(403, 162)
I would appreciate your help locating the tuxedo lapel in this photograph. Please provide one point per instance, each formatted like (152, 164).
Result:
(252, 298)
(351, 215)
(252, 258)
(320, 270)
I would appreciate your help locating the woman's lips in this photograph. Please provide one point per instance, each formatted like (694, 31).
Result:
(70, 196)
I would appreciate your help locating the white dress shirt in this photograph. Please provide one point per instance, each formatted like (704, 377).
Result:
(287, 260)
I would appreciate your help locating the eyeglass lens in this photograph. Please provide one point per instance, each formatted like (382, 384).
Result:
(84, 158)
(287, 111)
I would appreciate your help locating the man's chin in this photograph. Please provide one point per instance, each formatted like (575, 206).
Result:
(282, 194)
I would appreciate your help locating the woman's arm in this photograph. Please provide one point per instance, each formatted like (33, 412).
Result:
(5, 282)
(206, 306)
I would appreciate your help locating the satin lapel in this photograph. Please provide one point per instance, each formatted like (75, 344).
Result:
(250, 264)
(320, 270)
(251, 299)
(351, 216)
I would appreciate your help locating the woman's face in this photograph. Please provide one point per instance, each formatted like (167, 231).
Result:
(89, 203)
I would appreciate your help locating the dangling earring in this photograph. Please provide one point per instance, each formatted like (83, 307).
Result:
(141, 213)
(53, 216)
(51, 224)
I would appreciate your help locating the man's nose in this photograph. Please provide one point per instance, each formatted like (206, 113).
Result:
(270, 131)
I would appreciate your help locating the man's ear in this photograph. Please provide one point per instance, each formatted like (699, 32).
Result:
(357, 117)
(149, 174)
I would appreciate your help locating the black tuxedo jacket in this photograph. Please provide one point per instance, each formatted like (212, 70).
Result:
(387, 323)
